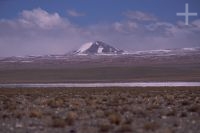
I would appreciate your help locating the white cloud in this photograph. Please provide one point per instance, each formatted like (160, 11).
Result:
(41, 18)
(196, 23)
(125, 27)
(118, 26)
(140, 16)
(151, 35)
(74, 13)
(37, 32)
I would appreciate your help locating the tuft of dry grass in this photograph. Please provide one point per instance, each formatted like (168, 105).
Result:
(35, 113)
(55, 103)
(71, 117)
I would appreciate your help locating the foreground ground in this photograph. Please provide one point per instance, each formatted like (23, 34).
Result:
(94, 110)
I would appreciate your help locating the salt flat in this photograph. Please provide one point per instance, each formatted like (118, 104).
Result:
(130, 84)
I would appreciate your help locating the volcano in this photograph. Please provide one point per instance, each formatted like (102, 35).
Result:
(98, 48)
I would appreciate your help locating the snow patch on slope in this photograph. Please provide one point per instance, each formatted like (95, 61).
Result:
(189, 49)
(100, 50)
(85, 47)
(153, 51)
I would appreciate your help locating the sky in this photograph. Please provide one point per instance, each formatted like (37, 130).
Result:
(41, 27)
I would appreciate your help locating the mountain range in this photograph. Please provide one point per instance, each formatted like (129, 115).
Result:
(99, 49)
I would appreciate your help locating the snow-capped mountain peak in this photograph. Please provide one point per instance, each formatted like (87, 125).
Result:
(97, 48)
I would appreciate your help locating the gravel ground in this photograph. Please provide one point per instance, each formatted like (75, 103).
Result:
(95, 110)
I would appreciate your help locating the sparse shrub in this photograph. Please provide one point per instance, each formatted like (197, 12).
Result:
(128, 120)
(152, 107)
(71, 117)
(139, 113)
(104, 99)
(5, 115)
(100, 114)
(17, 114)
(72, 131)
(151, 126)
(115, 118)
(124, 128)
(76, 103)
(170, 97)
(108, 112)
(171, 112)
(193, 108)
(183, 114)
(58, 123)
(104, 127)
(184, 103)
(166, 130)
(11, 106)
